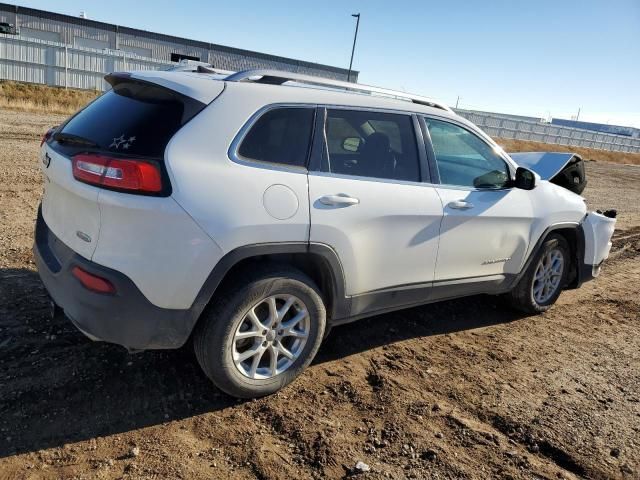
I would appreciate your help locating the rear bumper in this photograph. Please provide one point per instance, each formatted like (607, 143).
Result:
(126, 318)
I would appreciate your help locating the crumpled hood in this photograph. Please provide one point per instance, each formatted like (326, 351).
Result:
(563, 169)
(545, 164)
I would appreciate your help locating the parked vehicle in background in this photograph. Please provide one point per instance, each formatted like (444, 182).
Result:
(253, 211)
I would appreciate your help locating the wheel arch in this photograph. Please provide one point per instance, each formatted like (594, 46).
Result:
(573, 233)
(320, 262)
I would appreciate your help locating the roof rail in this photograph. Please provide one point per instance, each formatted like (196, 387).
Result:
(275, 77)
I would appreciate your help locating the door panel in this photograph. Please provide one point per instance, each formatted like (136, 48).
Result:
(483, 232)
(486, 224)
(388, 238)
(373, 211)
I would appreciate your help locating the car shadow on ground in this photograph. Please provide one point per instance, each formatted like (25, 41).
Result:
(58, 387)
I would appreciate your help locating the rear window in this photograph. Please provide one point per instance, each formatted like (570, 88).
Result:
(132, 118)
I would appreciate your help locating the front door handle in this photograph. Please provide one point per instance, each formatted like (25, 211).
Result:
(460, 205)
(339, 199)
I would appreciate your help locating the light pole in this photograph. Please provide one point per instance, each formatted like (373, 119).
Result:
(357, 15)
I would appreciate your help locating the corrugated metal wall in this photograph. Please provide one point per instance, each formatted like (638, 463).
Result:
(68, 32)
(79, 32)
(57, 64)
(505, 127)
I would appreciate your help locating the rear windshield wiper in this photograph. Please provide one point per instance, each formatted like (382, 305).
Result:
(71, 138)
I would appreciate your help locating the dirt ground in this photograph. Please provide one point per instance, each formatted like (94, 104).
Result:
(461, 389)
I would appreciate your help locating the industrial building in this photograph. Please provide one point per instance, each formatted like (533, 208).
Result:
(81, 33)
(598, 127)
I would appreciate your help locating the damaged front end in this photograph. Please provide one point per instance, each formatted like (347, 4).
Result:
(598, 229)
(567, 170)
(563, 169)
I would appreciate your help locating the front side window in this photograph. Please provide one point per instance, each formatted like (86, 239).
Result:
(464, 159)
(371, 144)
(281, 135)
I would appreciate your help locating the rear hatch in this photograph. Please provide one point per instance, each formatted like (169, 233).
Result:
(117, 143)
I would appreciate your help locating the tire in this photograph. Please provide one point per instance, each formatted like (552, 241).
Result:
(526, 295)
(219, 350)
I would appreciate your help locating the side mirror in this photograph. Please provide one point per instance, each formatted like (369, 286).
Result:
(525, 179)
(351, 144)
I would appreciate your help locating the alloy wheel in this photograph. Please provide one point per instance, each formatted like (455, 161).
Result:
(271, 336)
(548, 275)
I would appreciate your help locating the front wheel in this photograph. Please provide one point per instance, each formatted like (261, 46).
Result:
(545, 278)
(262, 333)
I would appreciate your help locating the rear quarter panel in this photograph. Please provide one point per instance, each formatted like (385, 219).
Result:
(226, 198)
(157, 245)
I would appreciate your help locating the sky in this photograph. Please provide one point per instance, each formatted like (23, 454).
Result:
(536, 57)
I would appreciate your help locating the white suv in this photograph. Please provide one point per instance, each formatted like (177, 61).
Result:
(253, 211)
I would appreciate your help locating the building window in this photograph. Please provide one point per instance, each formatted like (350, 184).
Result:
(176, 57)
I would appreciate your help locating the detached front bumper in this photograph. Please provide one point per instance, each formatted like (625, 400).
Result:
(125, 317)
(597, 229)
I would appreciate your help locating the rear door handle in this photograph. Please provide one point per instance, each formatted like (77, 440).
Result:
(460, 205)
(339, 199)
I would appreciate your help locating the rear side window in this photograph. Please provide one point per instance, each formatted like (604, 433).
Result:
(281, 135)
(132, 118)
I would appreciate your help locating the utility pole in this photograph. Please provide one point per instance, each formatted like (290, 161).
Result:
(357, 15)
(578, 115)
(457, 100)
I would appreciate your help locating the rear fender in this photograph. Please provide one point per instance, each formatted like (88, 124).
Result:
(339, 303)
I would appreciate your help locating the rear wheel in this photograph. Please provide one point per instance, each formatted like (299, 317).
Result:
(545, 278)
(262, 333)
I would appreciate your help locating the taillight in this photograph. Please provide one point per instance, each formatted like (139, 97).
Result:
(47, 135)
(93, 282)
(129, 174)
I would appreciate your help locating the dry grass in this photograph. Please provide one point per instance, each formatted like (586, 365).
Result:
(511, 145)
(41, 98)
